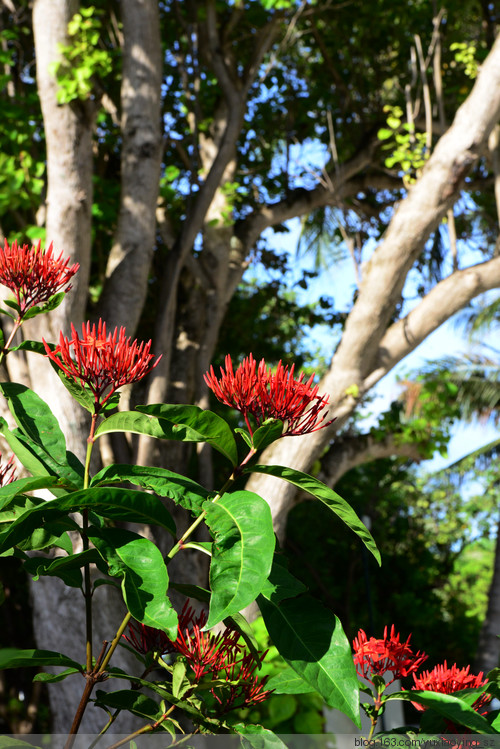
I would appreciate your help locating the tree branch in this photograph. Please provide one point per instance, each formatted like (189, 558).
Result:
(302, 201)
(384, 276)
(442, 302)
(351, 451)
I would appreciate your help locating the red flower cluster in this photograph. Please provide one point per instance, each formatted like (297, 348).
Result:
(104, 362)
(216, 656)
(449, 680)
(265, 394)
(7, 471)
(146, 639)
(33, 274)
(372, 656)
(205, 652)
(243, 687)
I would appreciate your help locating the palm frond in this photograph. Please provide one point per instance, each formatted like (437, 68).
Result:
(477, 379)
(475, 319)
(479, 459)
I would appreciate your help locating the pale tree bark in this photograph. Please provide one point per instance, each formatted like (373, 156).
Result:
(59, 614)
(350, 451)
(370, 347)
(129, 262)
(199, 313)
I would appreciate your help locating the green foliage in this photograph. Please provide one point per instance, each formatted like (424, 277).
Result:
(243, 565)
(294, 707)
(426, 533)
(144, 575)
(242, 528)
(424, 414)
(466, 55)
(408, 148)
(311, 640)
(86, 60)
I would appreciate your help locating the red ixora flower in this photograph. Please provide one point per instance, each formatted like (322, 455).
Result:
(216, 656)
(265, 394)
(448, 680)
(34, 275)
(103, 361)
(205, 652)
(373, 656)
(7, 471)
(146, 639)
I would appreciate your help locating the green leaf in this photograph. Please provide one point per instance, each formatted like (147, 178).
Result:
(257, 737)
(82, 396)
(119, 504)
(20, 486)
(40, 463)
(29, 459)
(289, 682)
(242, 528)
(311, 639)
(67, 568)
(450, 707)
(192, 591)
(53, 533)
(13, 305)
(267, 434)
(183, 491)
(330, 498)
(36, 419)
(15, 658)
(53, 678)
(145, 577)
(48, 306)
(193, 424)
(180, 684)
(71, 470)
(281, 584)
(131, 421)
(131, 700)
(241, 625)
(245, 436)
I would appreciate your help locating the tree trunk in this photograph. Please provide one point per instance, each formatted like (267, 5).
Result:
(129, 262)
(488, 651)
(59, 613)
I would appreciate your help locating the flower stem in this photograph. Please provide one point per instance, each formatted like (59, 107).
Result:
(145, 729)
(232, 478)
(85, 543)
(178, 546)
(5, 349)
(114, 643)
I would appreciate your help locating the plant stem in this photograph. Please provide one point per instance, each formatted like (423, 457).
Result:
(85, 542)
(235, 474)
(144, 729)
(5, 349)
(114, 643)
(178, 546)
